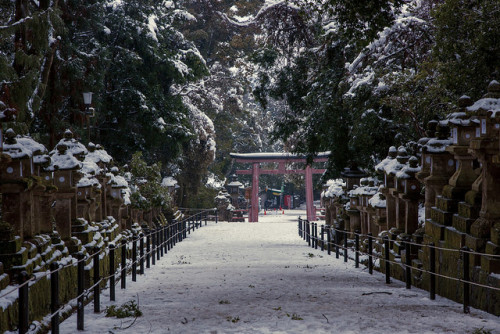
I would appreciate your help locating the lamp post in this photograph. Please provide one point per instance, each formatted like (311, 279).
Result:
(89, 112)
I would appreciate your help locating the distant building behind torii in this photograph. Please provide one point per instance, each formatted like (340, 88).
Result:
(281, 159)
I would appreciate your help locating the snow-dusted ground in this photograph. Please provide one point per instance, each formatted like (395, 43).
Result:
(262, 278)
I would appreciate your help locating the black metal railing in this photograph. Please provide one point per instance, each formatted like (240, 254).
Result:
(152, 246)
(339, 238)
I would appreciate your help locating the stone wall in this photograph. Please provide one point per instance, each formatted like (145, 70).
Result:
(445, 193)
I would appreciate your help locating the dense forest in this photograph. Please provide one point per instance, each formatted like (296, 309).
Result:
(185, 82)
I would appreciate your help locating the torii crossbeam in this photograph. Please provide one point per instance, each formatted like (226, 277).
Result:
(282, 159)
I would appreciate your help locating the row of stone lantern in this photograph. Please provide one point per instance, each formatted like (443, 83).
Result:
(57, 193)
(459, 169)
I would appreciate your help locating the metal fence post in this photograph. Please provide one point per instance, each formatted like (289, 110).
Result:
(141, 253)
(356, 246)
(432, 261)
(408, 265)
(165, 239)
(308, 232)
(387, 264)
(322, 238)
(97, 287)
(160, 240)
(370, 253)
(54, 297)
(158, 243)
(345, 245)
(153, 247)
(134, 259)
(315, 235)
(80, 302)
(112, 272)
(124, 264)
(337, 241)
(329, 239)
(23, 303)
(465, 256)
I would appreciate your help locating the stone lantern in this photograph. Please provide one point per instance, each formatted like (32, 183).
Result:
(380, 170)
(442, 166)
(352, 175)
(395, 206)
(485, 231)
(118, 198)
(16, 186)
(223, 204)
(378, 217)
(98, 155)
(425, 157)
(410, 194)
(66, 169)
(44, 188)
(233, 189)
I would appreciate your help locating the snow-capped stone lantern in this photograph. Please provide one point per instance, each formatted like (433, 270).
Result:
(44, 185)
(484, 110)
(21, 163)
(98, 155)
(66, 169)
(463, 131)
(395, 211)
(425, 161)
(378, 206)
(352, 175)
(233, 189)
(485, 231)
(442, 165)
(224, 207)
(16, 186)
(118, 197)
(410, 194)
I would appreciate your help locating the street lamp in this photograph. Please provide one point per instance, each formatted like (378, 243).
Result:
(89, 112)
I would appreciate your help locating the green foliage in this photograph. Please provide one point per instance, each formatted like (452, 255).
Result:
(147, 190)
(129, 309)
(467, 50)
(481, 331)
(360, 20)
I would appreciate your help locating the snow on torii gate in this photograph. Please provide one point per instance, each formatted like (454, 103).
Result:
(281, 158)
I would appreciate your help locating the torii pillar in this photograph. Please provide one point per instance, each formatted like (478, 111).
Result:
(253, 215)
(281, 158)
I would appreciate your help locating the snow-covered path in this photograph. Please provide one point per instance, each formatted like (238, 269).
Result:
(262, 278)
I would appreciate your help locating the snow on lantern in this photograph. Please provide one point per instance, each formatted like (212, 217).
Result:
(66, 169)
(485, 111)
(17, 186)
(352, 175)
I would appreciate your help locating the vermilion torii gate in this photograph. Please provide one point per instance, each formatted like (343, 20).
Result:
(282, 159)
